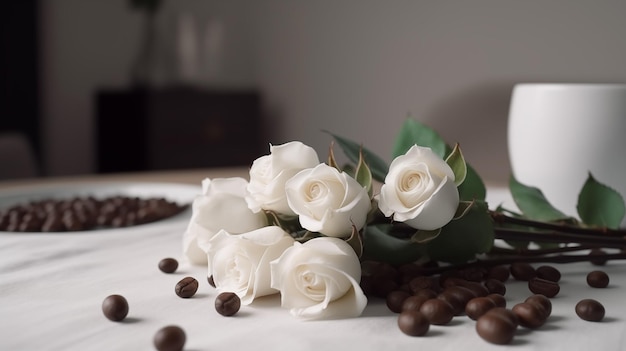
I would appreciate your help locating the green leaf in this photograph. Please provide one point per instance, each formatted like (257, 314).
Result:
(456, 161)
(378, 167)
(461, 240)
(413, 132)
(473, 187)
(378, 245)
(363, 175)
(533, 203)
(599, 205)
(424, 236)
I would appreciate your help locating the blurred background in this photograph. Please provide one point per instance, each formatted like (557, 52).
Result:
(93, 86)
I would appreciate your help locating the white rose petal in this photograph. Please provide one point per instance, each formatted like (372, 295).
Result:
(269, 174)
(327, 201)
(419, 190)
(221, 205)
(320, 279)
(241, 263)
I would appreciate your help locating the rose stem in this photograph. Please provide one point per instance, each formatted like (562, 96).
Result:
(527, 259)
(591, 240)
(502, 218)
(538, 252)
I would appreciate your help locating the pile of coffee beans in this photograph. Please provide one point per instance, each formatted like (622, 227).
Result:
(422, 298)
(85, 213)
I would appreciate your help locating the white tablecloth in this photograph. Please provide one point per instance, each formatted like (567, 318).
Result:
(52, 287)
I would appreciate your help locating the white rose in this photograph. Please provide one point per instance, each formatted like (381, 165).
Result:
(221, 205)
(419, 190)
(269, 174)
(241, 263)
(320, 279)
(327, 201)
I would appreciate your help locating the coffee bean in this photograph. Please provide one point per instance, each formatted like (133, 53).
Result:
(170, 338)
(541, 300)
(186, 287)
(522, 271)
(598, 279)
(414, 302)
(227, 303)
(115, 307)
(477, 288)
(427, 293)
(497, 326)
(598, 258)
(423, 282)
(548, 273)
(590, 310)
(500, 273)
(474, 274)
(395, 300)
(498, 299)
(437, 311)
(544, 287)
(413, 323)
(495, 286)
(168, 265)
(457, 297)
(530, 315)
(478, 306)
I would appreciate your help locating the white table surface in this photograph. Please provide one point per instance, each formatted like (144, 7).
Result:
(52, 287)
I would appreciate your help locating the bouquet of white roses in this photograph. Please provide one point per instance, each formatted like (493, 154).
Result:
(301, 228)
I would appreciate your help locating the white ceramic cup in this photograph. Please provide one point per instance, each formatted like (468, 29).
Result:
(558, 133)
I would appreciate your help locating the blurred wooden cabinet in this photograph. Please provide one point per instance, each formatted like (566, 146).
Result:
(177, 128)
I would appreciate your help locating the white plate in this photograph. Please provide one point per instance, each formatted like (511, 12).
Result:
(179, 193)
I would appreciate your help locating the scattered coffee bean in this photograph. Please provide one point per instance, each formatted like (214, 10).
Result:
(598, 258)
(413, 323)
(500, 273)
(423, 282)
(427, 293)
(548, 273)
(598, 279)
(495, 286)
(414, 302)
(168, 265)
(395, 300)
(522, 271)
(115, 307)
(457, 297)
(544, 287)
(590, 310)
(227, 303)
(498, 299)
(210, 280)
(437, 311)
(497, 326)
(186, 287)
(478, 306)
(170, 338)
(530, 315)
(541, 300)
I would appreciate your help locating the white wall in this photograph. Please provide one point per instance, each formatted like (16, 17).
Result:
(354, 67)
